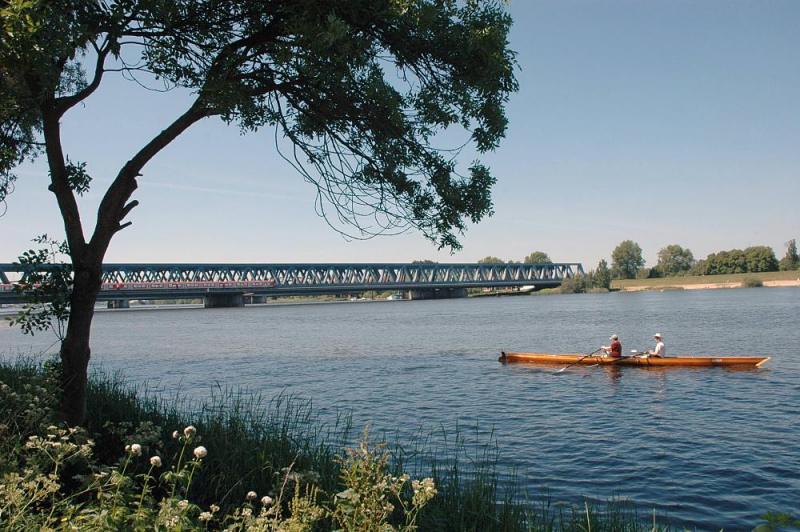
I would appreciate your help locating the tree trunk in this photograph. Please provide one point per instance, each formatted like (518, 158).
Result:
(75, 351)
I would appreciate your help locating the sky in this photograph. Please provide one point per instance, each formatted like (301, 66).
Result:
(663, 122)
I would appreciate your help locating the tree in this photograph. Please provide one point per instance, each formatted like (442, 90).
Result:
(358, 90)
(790, 261)
(491, 260)
(602, 275)
(760, 259)
(573, 285)
(674, 260)
(537, 257)
(626, 260)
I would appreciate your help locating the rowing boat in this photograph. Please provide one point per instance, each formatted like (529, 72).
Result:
(545, 358)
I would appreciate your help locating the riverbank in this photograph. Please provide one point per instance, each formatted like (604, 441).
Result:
(709, 282)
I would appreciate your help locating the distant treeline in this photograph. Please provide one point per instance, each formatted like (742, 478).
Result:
(673, 260)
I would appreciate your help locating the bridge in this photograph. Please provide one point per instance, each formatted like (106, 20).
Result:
(231, 285)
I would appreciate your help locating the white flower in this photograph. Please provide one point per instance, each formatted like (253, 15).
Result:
(136, 449)
(176, 435)
(184, 504)
(155, 461)
(251, 495)
(200, 452)
(214, 508)
(189, 431)
(205, 516)
(266, 500)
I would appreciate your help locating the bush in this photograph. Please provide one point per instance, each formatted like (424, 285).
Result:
(752, 282)
(573, 285)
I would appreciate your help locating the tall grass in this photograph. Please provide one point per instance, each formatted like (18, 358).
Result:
(254, 438)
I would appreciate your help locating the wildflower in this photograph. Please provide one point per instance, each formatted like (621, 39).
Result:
(200, 452)
(247, 512)
(266, 500)
(251, 495)
(205, 516)
(184, 504)
(176, 435)
(189, 431)
(155, 461)
(214, 508)
(136, 449)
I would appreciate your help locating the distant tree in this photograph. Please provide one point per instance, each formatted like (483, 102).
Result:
(760, 259)
(790, 261)
(537, 257)
(674, 260)
(573, 285)
(626, 260)
(491, 260)
(356, 90)
(602, 275)
(424, 261)
(646, 273)
(751, 260)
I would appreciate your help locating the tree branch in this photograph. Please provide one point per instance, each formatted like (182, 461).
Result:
(113, 207)
(59, 185)
(65, 103)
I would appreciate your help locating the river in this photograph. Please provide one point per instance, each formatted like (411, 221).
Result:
(710, 448)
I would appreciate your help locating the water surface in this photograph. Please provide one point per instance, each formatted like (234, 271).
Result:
(711, 447)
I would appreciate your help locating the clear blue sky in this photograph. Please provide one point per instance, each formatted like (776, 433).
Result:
(660, 121)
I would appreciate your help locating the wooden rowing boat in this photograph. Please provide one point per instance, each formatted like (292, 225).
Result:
(684, 361)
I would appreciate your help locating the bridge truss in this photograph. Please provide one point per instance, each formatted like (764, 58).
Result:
(154, 281)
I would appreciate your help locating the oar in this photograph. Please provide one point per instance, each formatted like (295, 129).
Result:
(577, 361)
(634, 354)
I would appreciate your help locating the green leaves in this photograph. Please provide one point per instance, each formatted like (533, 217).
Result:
(361, 92)
(46, 287)
(77, 177)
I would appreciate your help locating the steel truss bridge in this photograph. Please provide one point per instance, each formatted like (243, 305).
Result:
(177, 281)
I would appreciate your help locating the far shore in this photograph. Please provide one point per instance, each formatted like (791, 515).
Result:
(708, 282)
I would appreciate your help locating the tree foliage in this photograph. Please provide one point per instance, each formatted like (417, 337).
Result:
(790, 261)
(576, 284)
(45, 288)
(491, 260)
(537, 257)
(674, 260)
(359, 89)
(601, 278)
(357, 92)
(626, 260)
(750, 260)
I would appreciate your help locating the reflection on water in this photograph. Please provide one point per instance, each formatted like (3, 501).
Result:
(710, 447)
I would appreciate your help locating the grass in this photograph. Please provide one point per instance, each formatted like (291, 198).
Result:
(250, 439)
(739, 278)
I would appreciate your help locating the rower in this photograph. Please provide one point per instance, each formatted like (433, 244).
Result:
(660, 349)
(615, 349)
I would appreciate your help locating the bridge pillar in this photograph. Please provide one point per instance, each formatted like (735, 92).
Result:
(255, 300)
(437, 293)
(223, 300)
(119, 303)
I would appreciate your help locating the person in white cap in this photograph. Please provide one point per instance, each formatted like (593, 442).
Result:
(615, 349)
(660, 349)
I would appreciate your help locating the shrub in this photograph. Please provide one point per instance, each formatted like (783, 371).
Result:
(752, 282)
